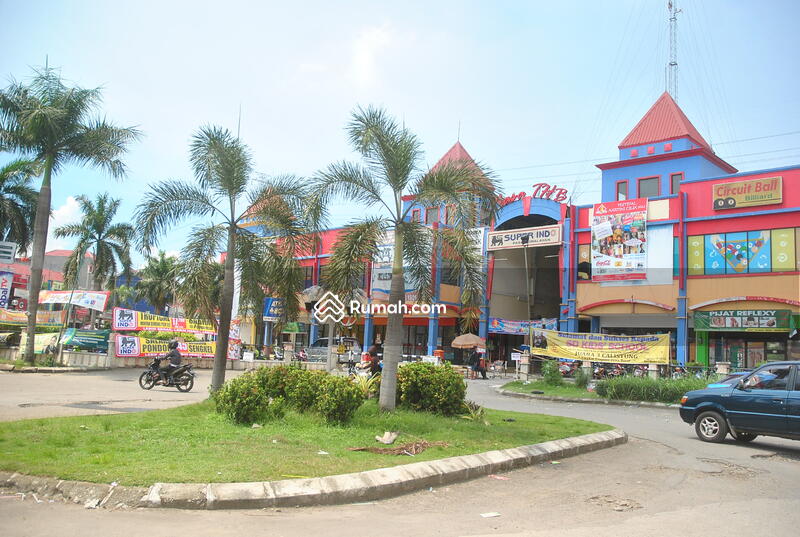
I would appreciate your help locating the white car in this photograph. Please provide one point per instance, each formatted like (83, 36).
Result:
(318, 351)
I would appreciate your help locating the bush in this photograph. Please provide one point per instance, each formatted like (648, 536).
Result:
(242, 400)
(168, 336)
(274, 380)
(550, 373)
(431, 388)
(649, 389)
(601, 388)
(338, 399)
(369, 386)
(582, 378)
(303, 387)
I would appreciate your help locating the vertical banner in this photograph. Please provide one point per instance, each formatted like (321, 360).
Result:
(6, 279)
(619, 240)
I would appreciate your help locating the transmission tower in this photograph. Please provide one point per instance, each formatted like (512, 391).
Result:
(672, 66)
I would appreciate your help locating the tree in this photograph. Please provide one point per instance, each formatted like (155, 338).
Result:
(158, 281)
(391, 169)
(125, 296)
(17, 202)
(200, 288)
(228, 196)
(55, 124)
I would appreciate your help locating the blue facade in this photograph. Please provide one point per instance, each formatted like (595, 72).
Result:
(141, 304)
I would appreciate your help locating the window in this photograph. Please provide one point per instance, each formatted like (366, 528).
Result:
(622, 190)
(774, 377)
(416, 215)
(308, 277)
(675, 182)
(431, 215)
(322, 269)
(449, 273)
(649, 188)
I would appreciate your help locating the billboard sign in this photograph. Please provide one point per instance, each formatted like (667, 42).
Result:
(750, 193)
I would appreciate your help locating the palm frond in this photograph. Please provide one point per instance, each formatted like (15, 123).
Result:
(204, 242)
(464, 257)
(220, 161)
(347, 181)
(418, 257)
(100, 144)
(355, 247)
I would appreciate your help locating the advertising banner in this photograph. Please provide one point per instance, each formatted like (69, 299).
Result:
(131, 320)
(743, 320)
(43, 318)
(766, 191)
(507, 326)
(95, 300)
(619, 240)
(528, 237)
(135, 346)
(86, 339)
(652, 349)
(6, 279)
(40, 341)
(273, 309)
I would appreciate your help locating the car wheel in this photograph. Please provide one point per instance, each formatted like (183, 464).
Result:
(744, 437)
(711, 427)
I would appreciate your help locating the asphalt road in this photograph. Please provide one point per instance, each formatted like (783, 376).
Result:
(663, 482)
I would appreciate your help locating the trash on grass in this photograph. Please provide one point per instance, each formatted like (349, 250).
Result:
(409, 448)
(499, 477)
(490, 515)
(257, 426)
(388, 437)
(555, 462)
(320, 452)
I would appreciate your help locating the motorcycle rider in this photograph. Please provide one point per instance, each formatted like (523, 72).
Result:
(174, 357)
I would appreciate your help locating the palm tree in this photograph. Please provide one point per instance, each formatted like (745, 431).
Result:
(17, 202)
(200, 288)
(159, 280)
(109, 243)
(54, 124)
(227, 195)
(125, 296)
(391, 169)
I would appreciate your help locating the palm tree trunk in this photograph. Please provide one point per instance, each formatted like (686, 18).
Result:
(37, 256)
(96, 285)
(221, 356)
(393, 349)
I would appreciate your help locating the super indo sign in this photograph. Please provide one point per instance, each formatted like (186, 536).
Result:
(766, 191)
(131, 320)
(652, 349)
(134, 346)
(619, 240)
(527, 237)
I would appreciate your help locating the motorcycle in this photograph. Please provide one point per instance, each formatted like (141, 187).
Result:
(182, 378)
(640, 371)
(599, 372)
(568, 369)
(617, 371)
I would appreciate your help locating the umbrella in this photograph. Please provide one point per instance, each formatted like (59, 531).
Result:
(467, 341)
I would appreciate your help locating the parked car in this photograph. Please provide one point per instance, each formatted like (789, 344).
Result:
(318, 351)
(765, 401)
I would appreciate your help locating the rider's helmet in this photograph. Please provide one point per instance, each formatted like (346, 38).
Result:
(173, 344)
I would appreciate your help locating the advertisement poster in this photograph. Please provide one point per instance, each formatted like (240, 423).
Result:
(6, 279)
(86, 339)
(40, 341)
(507, 326)
(134, 346)
(131, 320)
(95, 300)
(43, 318)
(619, 240)
(652, 349)
(743, 320)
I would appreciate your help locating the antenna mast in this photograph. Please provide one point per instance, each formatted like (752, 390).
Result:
(672, 66)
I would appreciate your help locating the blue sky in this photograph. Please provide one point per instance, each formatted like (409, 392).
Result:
(534, 85)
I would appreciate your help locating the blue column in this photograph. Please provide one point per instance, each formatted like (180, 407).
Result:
(683, 329)
(433, 332)
(314, 331)
(483, 323)
(564, 319)
(369, 329)
(595, 328)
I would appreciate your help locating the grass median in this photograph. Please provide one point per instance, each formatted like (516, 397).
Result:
(564, 390)
(193, 444)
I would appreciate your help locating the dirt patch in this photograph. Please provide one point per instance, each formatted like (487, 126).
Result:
(729, 469)
(614, 503)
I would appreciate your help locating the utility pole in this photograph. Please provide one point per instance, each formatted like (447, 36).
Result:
(672, 66)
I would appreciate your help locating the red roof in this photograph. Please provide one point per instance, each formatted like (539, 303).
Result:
(664, 121)
(23, 269)
(65, 253)
(454, 154)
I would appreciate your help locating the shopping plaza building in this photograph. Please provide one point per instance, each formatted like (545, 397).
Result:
(680, 242)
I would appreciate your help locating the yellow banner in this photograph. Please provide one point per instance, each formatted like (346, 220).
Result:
(130, 320)
(651, 349)
(51, 318)
(40, 341)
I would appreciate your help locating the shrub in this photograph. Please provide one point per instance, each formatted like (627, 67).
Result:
(155, 334)
(601, 388)
(274, 380)
(276, 409)
(550, 373)
(582, 378)
(242, 400)
(431, 388)
(649, 389)
(303, 387)
(369, 386)
(338, 399)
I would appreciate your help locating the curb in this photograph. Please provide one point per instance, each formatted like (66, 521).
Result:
(619, 402)
(338, 489)
(36, 369)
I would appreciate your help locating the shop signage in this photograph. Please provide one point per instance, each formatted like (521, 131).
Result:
(539, 190)
(273, 309)
(651, 349)
(8, 252)
(526, 237)
(522, 328)
(134, 346)
(766, 191)
(6, 280)
(130, 320)
(619, 240)
(743, 320)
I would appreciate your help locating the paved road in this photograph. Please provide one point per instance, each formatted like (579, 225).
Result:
(663, 482)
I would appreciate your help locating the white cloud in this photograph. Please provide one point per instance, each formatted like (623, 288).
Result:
(366, 48)
(68, 213)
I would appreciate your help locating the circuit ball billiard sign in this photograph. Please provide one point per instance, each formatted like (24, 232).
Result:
(766, 191)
